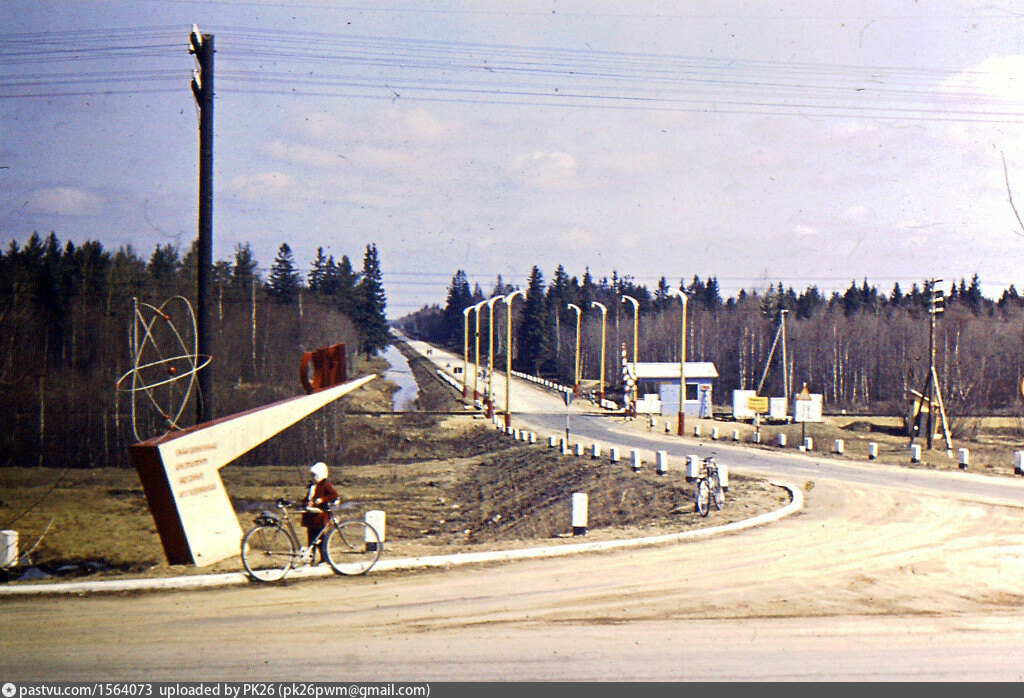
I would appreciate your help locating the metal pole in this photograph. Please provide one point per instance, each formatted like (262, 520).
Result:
(681, 420)
(476, 335)
(604, 330)
(490, 355)
(636, 335)
(465, 350)
(508, 358)
(576, 373)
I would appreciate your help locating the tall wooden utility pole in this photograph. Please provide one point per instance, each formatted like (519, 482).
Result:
(201, 46)
(931, 394)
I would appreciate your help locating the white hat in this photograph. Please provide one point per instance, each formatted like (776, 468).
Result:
(318, 471)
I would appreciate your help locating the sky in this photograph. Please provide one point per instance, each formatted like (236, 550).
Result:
(812, 143)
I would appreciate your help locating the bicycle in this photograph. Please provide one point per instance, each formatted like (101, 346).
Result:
(271, 548)
(708, 489)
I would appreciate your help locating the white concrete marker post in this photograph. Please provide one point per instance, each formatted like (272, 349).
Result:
(579, 450)
(872, 450)
(551, 441)
(579, 514)
(377, 519)
(595, 451)
(915, 453)
(808, 444)
(8, 548)
(565, 447)
(662, 459)
(735, 434)
(635, 455)
(614, 454)
(1018, 462)
(840, 444)
(714, 433)
(963, 458)
(533, 438)
(696, 430)
(782, 440)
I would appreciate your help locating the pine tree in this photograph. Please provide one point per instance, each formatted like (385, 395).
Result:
(370, 315)
(459, 298)
(317, 278)
(533, 326)
(284, 281)
(244, 271)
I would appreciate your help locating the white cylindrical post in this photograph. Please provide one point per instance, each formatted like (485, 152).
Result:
(533, 438)
(723, 476)
(565, 447)
(595, 451)
(579, 513)
(635, 455)
(782, 440)
(614, 454)
(808, 444)
(692, 467)
(696, 430)
(552, 441)
(872, 450)
(714, 433)
(8, 548)
(963, 458)
(840, 444)
(662, 463)
(377, 519)
(666, 426)
(915, 453)
(1018, 462)
(579, 450)
(735, 434)
(756, 437)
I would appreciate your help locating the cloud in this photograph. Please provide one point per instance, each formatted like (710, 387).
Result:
(549, 169)
(65, 201)
(299, 154)
(805, 231)
(855, 213)
(262, 185)
(418, 125)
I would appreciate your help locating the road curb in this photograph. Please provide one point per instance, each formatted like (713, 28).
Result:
(412, 563)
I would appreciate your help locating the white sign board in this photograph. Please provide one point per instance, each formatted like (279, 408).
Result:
(808, 410)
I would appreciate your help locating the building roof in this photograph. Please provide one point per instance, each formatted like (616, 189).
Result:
(667, 370)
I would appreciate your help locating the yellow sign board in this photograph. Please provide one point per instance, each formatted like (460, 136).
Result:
(757, 404)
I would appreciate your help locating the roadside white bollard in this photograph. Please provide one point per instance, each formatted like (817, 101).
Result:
(840, 444)
(723, 476)
(595, 451)
(755, 437)
(692, 467)
(782, 440)
(1018, 462)
(635, 455)
(614, 454)
(565, 447)
(377, 519)
(579, 514)
(915, 453)
(872, 450)
(551, 442)
(8, 548)
(662, 460)
(533, 438)
(714, 433)
(808, 444)
(735, 434)
(696, 430)
(666, 426)
(963, 458)
(650, 421)
(515, 434)
(579, 450)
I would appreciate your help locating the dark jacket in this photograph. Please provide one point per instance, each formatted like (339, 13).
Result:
(323, 494)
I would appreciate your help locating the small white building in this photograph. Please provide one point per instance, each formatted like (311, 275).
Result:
(662, 378)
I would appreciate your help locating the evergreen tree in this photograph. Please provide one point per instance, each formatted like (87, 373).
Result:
(244, 271)
(317, 278)
(164, 264)
(284, 281)
(370, 315)
(459, 298)
(533, 326)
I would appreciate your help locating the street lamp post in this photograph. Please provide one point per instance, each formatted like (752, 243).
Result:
(465, 350)
(681, 423)
(636, 336)
(576, 374)
(604, 318)
(490, 354)
(476, 365)
(508, 357)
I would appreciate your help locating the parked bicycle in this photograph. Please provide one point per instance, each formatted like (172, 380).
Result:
(271, 548)
(708, 489)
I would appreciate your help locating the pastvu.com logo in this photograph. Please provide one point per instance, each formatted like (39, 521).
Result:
(9, 690)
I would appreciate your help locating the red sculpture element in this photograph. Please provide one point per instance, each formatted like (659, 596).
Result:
(328, 368)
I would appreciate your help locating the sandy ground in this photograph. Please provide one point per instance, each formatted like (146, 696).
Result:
(862, 584)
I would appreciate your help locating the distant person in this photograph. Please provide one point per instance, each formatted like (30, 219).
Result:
(319, 497)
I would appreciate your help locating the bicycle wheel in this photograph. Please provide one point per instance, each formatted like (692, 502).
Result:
(717, 493)
(268, 552)
(702, 496)
(353, 547)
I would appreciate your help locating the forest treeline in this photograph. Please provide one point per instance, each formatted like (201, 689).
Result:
(863, 349)
(66, 315)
